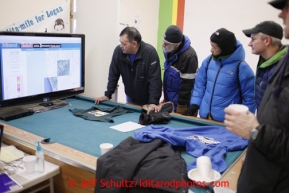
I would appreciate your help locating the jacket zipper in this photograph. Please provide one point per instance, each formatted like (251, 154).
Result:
(221, 66)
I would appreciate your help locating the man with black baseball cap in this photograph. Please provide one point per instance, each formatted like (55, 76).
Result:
(283, 5)
(270, 28)
(266, 168)
(265, 42)
(278, 4)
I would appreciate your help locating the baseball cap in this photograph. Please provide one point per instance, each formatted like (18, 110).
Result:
(278, 4)
(266, 27)
(173, 34)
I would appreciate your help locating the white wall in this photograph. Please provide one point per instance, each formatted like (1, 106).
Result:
(144, 16)
(98, 21)
(204, 17)
(147, 11)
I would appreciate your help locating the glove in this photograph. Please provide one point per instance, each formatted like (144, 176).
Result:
(191, 111)
(181, 108)
(144, 118)
(167, 107)
(159, 117)
(154, 117)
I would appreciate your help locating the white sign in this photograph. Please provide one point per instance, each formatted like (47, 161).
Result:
(54, 19)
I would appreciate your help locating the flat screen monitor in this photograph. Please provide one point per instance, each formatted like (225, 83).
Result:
(39, 67)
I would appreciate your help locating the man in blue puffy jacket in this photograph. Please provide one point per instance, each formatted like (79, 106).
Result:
(266, 42)
(223, 79)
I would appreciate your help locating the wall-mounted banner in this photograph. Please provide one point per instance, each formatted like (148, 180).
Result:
(54, 19)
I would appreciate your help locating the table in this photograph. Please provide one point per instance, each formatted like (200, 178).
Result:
(70, 133)
(29, 180)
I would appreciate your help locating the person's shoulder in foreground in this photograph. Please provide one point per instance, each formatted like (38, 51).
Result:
(266, 167)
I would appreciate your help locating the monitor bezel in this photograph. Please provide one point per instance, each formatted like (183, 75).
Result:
(51, 95)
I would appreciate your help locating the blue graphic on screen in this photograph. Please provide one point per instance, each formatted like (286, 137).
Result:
(47, 86)
(53, 83)
(63, 67)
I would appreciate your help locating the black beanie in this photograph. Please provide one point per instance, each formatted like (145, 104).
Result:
(226, 40)
(173, 34)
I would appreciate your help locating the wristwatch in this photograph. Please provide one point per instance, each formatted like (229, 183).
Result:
(254, 133)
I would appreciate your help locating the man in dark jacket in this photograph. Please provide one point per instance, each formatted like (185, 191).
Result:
(266, 166)
(138, 64)
(266, 42)
(181, 64)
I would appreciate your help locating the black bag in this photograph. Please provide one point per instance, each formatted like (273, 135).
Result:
(154, 117)
(148, 117)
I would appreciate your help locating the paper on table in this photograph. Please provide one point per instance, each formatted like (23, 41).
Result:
(10, 153)
(127, 126)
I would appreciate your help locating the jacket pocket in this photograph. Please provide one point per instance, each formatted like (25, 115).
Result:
(141, 76)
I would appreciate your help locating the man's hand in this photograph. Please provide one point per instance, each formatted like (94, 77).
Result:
(240, 123)
(99, 99)
(153, 107)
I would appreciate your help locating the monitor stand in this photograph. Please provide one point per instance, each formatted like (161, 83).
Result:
(46, 104)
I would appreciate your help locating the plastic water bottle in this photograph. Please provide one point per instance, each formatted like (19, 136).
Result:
(40, 166)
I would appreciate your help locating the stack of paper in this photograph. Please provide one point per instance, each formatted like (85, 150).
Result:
(10, 153)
